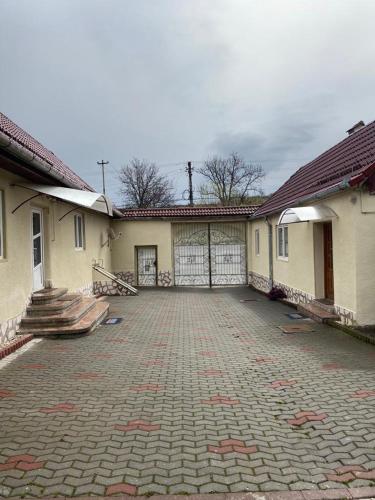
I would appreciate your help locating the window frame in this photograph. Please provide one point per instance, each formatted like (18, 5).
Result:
(2, 226)
(283, 243)
(257, 242)
(79, 232)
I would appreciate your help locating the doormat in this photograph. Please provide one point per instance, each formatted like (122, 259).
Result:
(112, 321)
(295, 316)
(296, 328)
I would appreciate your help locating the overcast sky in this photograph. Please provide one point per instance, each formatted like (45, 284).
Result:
(278, 81)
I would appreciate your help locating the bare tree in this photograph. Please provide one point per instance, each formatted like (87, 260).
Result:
(143, 186)
(230, 180)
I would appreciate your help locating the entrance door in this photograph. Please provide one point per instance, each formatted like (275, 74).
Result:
(146, 265)
(37, 249)
(328, 262)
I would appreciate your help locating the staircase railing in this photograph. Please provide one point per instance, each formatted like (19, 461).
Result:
(114, 278)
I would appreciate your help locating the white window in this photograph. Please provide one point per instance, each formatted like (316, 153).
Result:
(1, 225)
(257, 247)
(79, 232)
(282, 242)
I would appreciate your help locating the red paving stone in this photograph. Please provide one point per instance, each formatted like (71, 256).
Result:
(307, 416)
(87, 376)
(208, 354)
(22, 462)
(209, 373)
(60, 407)
(280, 384)
(220, 400)
(265, 359)
(33, 367)
(232, 446)
(146, 388)
(6, 394)
(363, 394)
(137, 425)
(126, 489)
(332, 366)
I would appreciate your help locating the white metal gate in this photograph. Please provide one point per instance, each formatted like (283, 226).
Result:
(210, 254)
(146, 266)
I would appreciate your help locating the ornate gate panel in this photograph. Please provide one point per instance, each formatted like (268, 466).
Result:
(228, 253)
(191, 258)
(210, 254)
(146, 266)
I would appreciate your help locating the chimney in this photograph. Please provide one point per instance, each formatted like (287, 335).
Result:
(356, 127)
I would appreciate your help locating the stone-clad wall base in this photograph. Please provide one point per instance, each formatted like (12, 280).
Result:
(8, 328)
(259, 282)
(109, 288)
(296, 296)
(164, 278)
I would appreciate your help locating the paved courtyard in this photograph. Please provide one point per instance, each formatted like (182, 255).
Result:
(193, 392)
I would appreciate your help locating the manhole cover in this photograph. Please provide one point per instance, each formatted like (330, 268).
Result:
(295, 316)
(112, 321)
(296, 328)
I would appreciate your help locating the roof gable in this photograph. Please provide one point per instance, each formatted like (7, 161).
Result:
(21, 137)
(344, 161)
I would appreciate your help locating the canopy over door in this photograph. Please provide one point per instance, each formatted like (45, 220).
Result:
(314, 213)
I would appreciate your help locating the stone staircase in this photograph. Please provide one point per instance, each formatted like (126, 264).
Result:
(55, 312)
(319, 310)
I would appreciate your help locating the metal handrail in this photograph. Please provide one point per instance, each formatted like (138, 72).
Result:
(114, 278)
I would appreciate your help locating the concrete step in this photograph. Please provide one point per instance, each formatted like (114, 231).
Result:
(66, 317)
(57, 306)
(325, 304)
(86, 324)
(317, 313)
(47, 295)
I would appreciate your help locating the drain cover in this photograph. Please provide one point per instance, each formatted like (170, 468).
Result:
(249, 300)
(295, 316)
(296, 328)
(112, 321)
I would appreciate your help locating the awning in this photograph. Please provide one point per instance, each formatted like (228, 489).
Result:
(87, 199)
(304, 214)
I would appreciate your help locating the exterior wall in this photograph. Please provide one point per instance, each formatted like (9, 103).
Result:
(64, 266)
(363, 227)
(302, 275)
(142, 233)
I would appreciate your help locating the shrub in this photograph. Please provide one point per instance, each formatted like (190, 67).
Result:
(276, 293)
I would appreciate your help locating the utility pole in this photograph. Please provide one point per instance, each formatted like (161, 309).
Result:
(102, 163)
(189, 170)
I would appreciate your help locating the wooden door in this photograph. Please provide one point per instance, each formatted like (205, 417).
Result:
(328, 262)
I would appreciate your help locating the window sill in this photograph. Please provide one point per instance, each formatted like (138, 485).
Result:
(284, 259)
(79, 249)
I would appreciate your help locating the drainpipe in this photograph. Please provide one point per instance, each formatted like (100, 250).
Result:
(270, 250)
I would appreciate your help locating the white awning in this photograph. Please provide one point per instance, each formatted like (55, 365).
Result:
(304, 214)
(87, 199)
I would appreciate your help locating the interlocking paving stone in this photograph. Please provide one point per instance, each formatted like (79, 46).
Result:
(193, 392)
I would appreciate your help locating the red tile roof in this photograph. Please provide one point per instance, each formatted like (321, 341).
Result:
(351, 160)
(185, 211)
(18, 135)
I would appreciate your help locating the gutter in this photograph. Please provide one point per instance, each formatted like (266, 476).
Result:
(25, 154)
(345, 184)
(33, 160)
